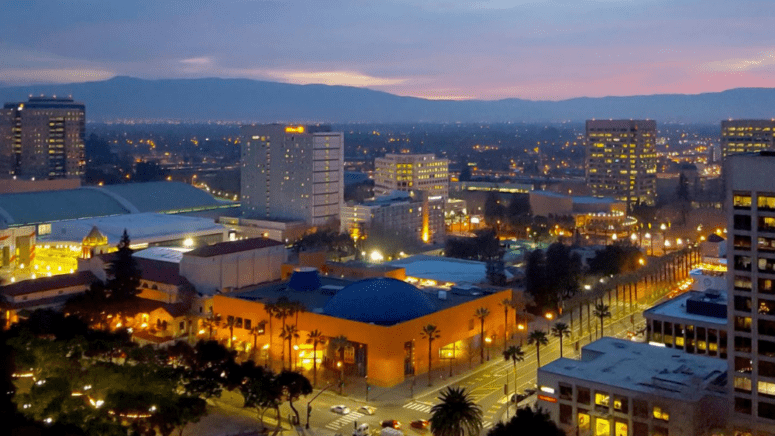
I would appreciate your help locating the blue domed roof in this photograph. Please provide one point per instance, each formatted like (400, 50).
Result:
(383, 301)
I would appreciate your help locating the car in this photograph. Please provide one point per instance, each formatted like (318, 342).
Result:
(340, 409)
(420, 423)
(391, 423)
(518, 398)
(367, 410)
(530, 391)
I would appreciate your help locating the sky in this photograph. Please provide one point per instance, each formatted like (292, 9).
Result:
(489, 50)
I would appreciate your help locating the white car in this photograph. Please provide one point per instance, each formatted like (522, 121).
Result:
(367, 410)
(340, 409)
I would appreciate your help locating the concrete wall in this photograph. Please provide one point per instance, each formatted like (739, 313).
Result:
(234, 270)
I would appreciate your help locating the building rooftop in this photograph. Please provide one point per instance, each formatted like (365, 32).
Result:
(163, 254)
(229, 247)
(685, 307)
(41, 284)
(644, 368)
(93, 201)
(444, 270)
(141, 227)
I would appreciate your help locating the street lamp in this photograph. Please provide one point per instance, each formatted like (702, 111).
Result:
(488, 340)
(266, 350)
(648, 237)
(341, 376)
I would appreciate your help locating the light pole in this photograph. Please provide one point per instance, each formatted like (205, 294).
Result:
(663, 227)
(341, 377)
(650, 250)
(488, 340)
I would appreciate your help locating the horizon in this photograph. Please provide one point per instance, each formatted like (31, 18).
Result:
(487, 50)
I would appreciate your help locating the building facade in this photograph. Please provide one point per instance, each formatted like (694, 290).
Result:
(622, 160)
(42, 138)
(415, 214)
(751, 281)
(292, 172)
(746, 136)
(408, 172)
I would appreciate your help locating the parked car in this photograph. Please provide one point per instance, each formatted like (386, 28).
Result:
(367, 410)
(340, 409)
(530, 391)
(361, 430)
(518, 398)
(420, 423)
(391, 423)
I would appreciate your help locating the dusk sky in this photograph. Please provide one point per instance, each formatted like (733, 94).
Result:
(539, 50)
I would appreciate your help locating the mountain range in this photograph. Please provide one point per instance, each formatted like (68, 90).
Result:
(245, 100)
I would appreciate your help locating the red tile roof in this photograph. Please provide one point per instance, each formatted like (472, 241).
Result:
(81, 278)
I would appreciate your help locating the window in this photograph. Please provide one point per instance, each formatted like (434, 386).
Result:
(182, 325)
(566, 392)
(620, 428)
(640, 409)
(566, 414)
(766, 224)
(766, 327)
(742, 304)
(621, 404)
(743, 242)
(765, 244)
(743, 324)
(742, 384)
(602, 427)
(766, 410)
(743, 365)
(248, 324)
(766, 348)
(741, 201)
(743, 263)
(743, 283)
(602, 399)
(583, 395)
(660, 431)
(584, 420)
(766, 388)
(765, 202)
(742, 344)
(743, 405)
(238, 323)
(640, 429)
(742, 222)
(660, 413)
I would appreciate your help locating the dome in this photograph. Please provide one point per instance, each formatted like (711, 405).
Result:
(383, 301)
(95, 238)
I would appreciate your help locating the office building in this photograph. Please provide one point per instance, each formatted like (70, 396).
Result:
(292, 173)
(751, 280)
(408, 172)
(414, 215)
(42, 139)
(625, 388)
(746, 136)
(622, 160)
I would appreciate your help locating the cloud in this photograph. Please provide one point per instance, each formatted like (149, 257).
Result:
(23, 76)
(344, 78)
(762, 59)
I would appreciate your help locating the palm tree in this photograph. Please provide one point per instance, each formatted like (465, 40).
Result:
(270, 310)
(230, 320)
(560, 330)
(283, 310)
(212, 322)
(289, 333)
(601, 311)
(255, 332)
(481, 313)
(515, 354)
(431, 333)
(339, 344)
(537, 337)
(315, 337)
(506, 303)
(456, 414)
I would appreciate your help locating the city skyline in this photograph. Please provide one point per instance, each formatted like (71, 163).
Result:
(486, 50)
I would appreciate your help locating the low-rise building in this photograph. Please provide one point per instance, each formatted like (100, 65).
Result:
(41, 293)
(694, 322)
(622, 388)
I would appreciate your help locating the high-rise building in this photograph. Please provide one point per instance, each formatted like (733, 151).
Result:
(745, 136)
(751, 281)
(292, 172)
(622, 160)
(42, 138)
(409, 172)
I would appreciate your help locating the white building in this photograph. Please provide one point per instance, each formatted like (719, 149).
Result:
(408, 172)
(623, 388)
(292, 173)
(233, 265)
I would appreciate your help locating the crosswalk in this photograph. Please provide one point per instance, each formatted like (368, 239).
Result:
(486, 425)
(421, 407)
(346, 419)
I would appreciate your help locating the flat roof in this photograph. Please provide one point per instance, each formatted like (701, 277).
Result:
(229, 247)
(141, 227)
(163, 254)
(645, 368)
(444, 269)
(41, 284)
(676, 308)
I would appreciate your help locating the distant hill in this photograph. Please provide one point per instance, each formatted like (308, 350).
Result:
(259, 101)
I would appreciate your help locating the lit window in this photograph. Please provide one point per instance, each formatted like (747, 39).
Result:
(659, 413)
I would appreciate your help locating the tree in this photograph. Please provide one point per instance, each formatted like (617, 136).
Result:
(255, 332)
(294, 385)
(601, 311)
(527, 421)
(515, 354)
(211, 322)
(262, 392)
(538, 337)
(315, 337)
(123, 272)
(283, 309)
(431, 333)
(506, 303)
(560, 330)
(481, 313)
(271, 311)
(289, 333)
(456, 414)
(207, 369)
(535, 278)
(229, 324)
(177, 413)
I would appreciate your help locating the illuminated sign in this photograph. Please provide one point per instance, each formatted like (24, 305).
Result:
(294, 129)
(547, 389)
(548, 399)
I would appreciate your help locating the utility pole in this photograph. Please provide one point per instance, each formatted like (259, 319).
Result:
(309, 404)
